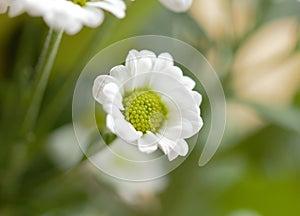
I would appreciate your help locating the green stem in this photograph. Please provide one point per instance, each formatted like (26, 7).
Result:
(43, 69)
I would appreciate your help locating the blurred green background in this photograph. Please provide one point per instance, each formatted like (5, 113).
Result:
(254, 47)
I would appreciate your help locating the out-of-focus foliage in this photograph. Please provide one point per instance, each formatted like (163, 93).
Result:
(253, 46)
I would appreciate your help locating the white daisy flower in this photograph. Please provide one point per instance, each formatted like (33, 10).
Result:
(69, 16)
(177, 5)
(150, 103)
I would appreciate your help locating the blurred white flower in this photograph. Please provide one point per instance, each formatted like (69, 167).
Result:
(150, 103)
(266, 68)
(63, 148)
(224, 19)
(65, 152)
(177, 5)
(140, 193)
(4, 5)
(69, 16)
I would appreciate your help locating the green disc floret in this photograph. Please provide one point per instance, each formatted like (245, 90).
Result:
(144, 109)
(79, 2)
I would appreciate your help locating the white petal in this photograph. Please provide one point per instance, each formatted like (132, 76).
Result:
(140, 62)
(174, 71)
(188, 82)
(163, 61)
(177, 5)
(92, 17)
(16, 8)
(138, 65)
(177, 74)
(166, 145)
(182, 129)
(184, 116)
(183, 98)
(172, 155)
(118, 3)
(164, 83)
(126, 131)
(110, 90)
(116, 9)
(182, 110)
(120, 72)
(139, 80)
(145, 61)
(181, 149)
(112, 94)
(98, 86)
(148, 54)
(177, 125)
(196, 122)
(63, 15)
(144, 64)
(197, 97)
(112, 110)
(194, 118)
(148, 142)
(131, 62)
(110, 124)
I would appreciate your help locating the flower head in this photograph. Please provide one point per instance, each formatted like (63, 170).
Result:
(69, 16)
(150, 103)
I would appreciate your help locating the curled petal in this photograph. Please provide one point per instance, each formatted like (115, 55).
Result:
(110, 124)
(112, 94)
(112, 110)
(166, 145)
(148, 142)
(126, 131)
(181, 149)
(99, 84)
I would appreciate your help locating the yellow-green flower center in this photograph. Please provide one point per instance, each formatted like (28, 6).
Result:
(79, 2)
(144, 109)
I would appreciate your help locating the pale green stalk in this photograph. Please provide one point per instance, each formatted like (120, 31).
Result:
(43, 70)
